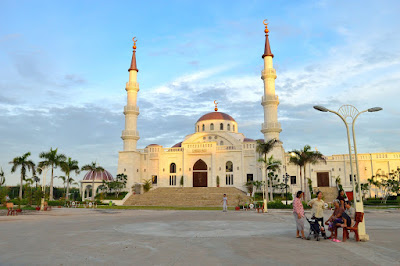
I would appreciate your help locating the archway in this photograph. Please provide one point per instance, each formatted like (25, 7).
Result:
(200, 174)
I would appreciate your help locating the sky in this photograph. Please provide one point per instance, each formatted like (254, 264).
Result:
(63, 69)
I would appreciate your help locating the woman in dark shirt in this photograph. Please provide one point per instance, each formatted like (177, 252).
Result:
(341, 198)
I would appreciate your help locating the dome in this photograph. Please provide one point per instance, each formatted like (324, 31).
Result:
(177, 145)
(99, 176)
(216, 116)
(248, 140)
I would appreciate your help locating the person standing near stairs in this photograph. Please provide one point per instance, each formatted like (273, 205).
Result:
(224, 203)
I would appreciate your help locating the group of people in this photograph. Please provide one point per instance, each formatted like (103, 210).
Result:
(342, 216)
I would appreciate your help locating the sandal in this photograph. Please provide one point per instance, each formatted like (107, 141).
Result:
(298, 236)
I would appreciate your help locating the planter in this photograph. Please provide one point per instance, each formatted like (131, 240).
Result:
(59, 206)
(19, 210)
(237, 208)
(37, 208)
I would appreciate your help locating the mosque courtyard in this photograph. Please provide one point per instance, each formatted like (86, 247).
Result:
(169, 237)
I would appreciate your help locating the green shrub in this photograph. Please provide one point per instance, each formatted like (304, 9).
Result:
(112, 196)
(56, 203)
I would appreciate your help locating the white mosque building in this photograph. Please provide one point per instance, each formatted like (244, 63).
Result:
(217, 151)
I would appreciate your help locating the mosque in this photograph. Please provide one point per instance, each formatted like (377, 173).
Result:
(217, 154)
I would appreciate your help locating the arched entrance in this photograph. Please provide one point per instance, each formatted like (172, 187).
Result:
(200, 174)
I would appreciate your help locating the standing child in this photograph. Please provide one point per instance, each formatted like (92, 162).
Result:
(224, 203)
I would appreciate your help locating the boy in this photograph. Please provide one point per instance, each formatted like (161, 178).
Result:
(224, 203)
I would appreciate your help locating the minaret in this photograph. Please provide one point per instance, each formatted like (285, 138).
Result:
(271, 127)
(130, 135)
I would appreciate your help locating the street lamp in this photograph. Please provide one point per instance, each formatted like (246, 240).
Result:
(286, 178)
(349, 114)
(265, 182)
(45, 169)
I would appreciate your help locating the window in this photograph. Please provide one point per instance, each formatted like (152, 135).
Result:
(198, 128)
(229, 179)
(212, 126)
(202, 127)
(293, 180)
(249, 177)
(229, 166)
(233, 128)
(221, 126)
(172, 180)
(228, 127)
(221, 143)
(172, 168)
(154, 179)
(351, 179)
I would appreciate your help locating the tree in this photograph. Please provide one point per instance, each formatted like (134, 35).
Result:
(147, 185)
(63, 178)
(2, 177)
(120, 183)
(69, 166)
(263, 148)
(302, 158)
(272, 165)
(96, 169)
(53, 160)
(25, 165)
(35, 179)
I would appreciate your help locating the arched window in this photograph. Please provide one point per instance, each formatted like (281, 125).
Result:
(233, 128)
(221, 126)
(221, 143)
(172, 168)
(212, 126)
(229, 166)
(198, 128)
(228, 127)
(229, 173)
(202, 127)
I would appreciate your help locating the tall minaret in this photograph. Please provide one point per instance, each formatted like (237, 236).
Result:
(271, 127)
(130, 135)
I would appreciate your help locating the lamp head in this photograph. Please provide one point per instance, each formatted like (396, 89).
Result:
(320, 108)
(375, 109)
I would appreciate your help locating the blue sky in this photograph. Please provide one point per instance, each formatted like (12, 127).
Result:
(64, 67)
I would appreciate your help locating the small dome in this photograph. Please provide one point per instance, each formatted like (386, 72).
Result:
(177, 145)
(248, 140)
(216, 116)
(100, 176)
(152, 145)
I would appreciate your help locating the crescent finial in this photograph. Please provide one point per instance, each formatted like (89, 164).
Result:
(266, 26)
(134, 42)
(216, 105)
(264, 22)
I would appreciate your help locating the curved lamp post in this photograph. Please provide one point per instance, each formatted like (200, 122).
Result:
(349, 114)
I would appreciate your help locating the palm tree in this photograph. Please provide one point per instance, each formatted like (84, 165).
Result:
(68, 167)
(2, 177)
(53, 160)
(302, 158)
(63, 178)
(263, 148)
(272, 165)
(25, 165)
(36, 179)
(96, 169)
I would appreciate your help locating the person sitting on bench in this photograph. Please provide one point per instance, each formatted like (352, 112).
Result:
(335, 219)
(351, 212)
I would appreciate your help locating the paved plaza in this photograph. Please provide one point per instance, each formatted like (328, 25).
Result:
(149, 237)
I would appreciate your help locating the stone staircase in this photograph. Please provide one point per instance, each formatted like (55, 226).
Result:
(328, 193)
(187, 197)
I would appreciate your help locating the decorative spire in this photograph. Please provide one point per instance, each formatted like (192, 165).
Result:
(216, 106)
(267, 49)
(133, 62)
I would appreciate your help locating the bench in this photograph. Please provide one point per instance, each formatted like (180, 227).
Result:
(347, 230)
(10, 208)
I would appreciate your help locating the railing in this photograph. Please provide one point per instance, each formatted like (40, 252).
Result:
(271, 125)
(269, 71)
(173, 149)
(229, 148)
(270, 98)
(131, 108)
(129, 133)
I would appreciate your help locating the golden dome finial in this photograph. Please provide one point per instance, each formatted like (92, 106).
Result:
(216, 105)
(266, 26)
(134, 43)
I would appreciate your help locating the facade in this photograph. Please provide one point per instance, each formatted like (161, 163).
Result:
(218, 151)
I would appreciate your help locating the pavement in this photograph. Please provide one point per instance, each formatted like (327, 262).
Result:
(152, 237)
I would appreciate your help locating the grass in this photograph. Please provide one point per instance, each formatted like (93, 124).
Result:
(163, 208)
